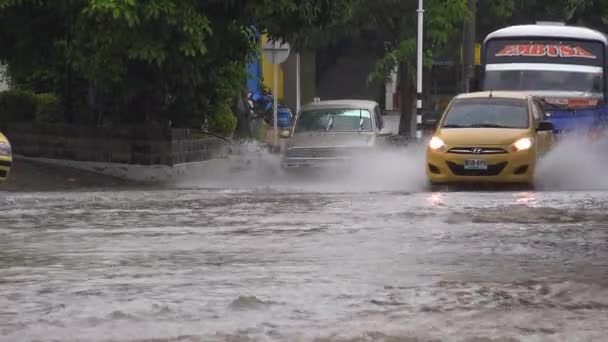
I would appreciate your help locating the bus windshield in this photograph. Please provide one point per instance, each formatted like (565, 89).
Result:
(586, 82)
(544, 65)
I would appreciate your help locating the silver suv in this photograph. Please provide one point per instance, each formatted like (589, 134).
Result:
(328, 133)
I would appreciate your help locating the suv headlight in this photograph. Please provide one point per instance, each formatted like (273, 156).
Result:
(5, 149)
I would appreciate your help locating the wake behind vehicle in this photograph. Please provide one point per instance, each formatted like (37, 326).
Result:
(563, 65)
(332, 133)
(6, 158)
(489, 137)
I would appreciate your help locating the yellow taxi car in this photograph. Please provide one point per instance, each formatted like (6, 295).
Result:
(489, 137)
(6, 158)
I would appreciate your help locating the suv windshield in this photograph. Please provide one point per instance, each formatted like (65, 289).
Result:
(334, 119)
(489, 112)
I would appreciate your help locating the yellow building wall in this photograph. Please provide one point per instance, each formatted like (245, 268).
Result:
(268, 72)
(477, 54)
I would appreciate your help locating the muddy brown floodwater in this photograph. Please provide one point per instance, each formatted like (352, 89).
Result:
(276, 265)
(365, 259)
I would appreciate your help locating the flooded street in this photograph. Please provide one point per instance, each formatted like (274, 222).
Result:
(303, 171)
(207, 265)
(303, 262)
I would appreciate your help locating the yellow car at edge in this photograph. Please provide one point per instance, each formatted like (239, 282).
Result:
(6, 158)
(489, 137)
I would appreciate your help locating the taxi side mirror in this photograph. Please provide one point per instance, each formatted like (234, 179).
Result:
(428, 125)
(544, 126)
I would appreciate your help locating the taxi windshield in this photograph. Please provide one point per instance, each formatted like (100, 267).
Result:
(487, 113)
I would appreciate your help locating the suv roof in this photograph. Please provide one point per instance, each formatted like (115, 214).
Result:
(367, 104)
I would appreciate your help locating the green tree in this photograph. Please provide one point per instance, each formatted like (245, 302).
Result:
(394, 22)
(153, 60)
(501, 13)
(132, 61)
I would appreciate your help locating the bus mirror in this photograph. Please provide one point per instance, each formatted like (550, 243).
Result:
(597, 84)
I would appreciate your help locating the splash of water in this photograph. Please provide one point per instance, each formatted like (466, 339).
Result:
(387, 169)
(574, 164)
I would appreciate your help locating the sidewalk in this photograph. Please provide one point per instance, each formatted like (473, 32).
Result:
(28, 176)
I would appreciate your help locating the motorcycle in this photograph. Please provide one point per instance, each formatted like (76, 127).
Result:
(261, 105)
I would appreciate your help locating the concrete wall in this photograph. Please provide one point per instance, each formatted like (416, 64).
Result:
(290, 82)
(185, 149)
(308, 76)
(3, 78)
(152, 145)
(344, 72)
(307, 79)
(347, 79)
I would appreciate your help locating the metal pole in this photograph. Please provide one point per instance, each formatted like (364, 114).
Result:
(298, 89)
(275, 105)
(469, 47)
(419, 71)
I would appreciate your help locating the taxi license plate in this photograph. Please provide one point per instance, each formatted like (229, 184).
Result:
(475, 164)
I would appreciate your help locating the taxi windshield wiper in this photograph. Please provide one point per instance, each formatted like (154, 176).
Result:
(454, 126)
(489, 126)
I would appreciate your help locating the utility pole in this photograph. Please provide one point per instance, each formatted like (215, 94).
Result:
(469, 47)
(405, 122)
(419, 70)
(277, 54)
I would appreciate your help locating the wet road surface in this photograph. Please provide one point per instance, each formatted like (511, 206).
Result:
(316, 261)
(277, 265)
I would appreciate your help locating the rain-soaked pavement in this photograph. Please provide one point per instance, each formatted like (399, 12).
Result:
(255, 258)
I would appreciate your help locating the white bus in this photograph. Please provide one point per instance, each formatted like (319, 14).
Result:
(565, 65)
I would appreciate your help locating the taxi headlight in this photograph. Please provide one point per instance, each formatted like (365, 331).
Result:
(522, 144)
(436, 144)
(5, 149)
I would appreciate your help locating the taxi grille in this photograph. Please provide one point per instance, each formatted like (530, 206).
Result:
(5, 163)
(493, 170)
(3, 173)
(477, 150)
